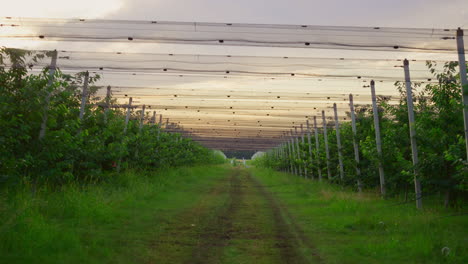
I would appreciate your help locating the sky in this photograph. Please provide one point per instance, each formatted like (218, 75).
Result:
(367, 13)
(388, 13)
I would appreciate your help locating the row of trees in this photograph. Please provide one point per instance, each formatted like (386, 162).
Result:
(442, 166)
(43, 138)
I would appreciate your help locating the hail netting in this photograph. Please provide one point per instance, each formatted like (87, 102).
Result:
(235, 82)
(293, 36)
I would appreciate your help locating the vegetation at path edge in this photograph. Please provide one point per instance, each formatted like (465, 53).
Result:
(347, 227)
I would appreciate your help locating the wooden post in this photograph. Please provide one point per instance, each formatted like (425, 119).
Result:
(377, 138)
(464, 82)
(127, 117)
(310, 146)
(84, 95)
(338, 143)
(355, 143)
(317, 148)
(45, 114)
(325, 137)
(414, 147)
(108, 98)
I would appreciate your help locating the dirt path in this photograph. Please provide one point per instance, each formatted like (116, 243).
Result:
(238, 221)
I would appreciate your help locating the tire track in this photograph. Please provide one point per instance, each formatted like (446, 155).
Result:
(217, 232)
(290, 237)
(238, 221)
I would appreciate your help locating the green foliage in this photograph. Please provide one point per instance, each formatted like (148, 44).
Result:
(442, 166)
(74, 149)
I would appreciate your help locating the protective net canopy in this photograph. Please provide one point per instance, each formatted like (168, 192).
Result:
(235, 86)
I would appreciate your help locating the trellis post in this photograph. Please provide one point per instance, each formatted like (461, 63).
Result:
(325, 137)
(293, 152)
(377, 139)
(338, 142)
(355, 143)
(414, 147)
(289, 156)
(84, 95)
(310, 146)
(298, 151)
(45, 114)
(107, 106)
(303, 153)
(464, 82)
(142, 117)
(153, 119)
(127, 117)
(317, 147)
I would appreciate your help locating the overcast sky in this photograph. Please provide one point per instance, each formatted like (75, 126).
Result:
(394, 13)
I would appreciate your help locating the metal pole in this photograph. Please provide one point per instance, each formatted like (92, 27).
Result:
(464, 82)
(377, 138)
(84, 95)
(338, 142)
(310, 146)
(355, 143)
(414, 147)
(127, 117)
(52, 69)
(317, 147)
(325, 137)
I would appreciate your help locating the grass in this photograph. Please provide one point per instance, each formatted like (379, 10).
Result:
(347, 227)
(123, 219)
(111, 222)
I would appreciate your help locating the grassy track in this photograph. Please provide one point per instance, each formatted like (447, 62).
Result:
(219, 214)
(346, 227)
(237, 222)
